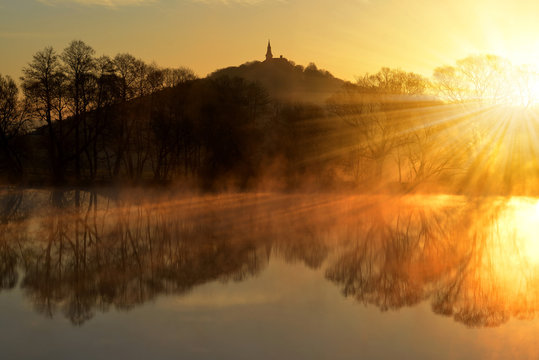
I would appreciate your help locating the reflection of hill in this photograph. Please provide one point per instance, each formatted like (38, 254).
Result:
(86, 253)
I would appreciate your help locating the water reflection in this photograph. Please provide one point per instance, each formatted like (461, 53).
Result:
(78, 253)
(468, 258)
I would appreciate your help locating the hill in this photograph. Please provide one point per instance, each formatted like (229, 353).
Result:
(286, 81)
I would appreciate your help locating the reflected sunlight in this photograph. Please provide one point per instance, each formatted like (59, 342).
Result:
(527, 216)
(518, 225)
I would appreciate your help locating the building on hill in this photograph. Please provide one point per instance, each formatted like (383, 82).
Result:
(284, 80)
(269, 55)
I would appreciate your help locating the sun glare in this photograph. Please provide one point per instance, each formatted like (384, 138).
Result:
(489, 80)
(523, 91)
(533, 97)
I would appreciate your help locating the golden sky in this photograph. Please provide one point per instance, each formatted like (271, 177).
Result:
(347, 37)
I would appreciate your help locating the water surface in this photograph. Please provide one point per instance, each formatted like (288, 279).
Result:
(139, 274)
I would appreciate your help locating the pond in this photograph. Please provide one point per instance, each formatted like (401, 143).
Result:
(163, 274)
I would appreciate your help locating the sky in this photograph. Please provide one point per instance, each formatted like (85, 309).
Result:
(346, 37)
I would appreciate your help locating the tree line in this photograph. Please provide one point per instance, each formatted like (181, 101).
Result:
(78, 118)
(67, 96)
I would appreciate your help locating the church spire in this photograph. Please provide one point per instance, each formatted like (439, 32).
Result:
(269, 55)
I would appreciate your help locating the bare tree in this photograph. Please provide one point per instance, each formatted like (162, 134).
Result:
(42, 78)
(79, 65)
(154, 78)
(13, 123)
(394, 81)
(485, 79)
(174, 77)
(125, 69)
(108, 83)
(374, 132)
(140, 71)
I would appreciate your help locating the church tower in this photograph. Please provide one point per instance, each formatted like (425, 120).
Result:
(269, 55)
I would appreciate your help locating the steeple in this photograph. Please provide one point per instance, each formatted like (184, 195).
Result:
(269, 55)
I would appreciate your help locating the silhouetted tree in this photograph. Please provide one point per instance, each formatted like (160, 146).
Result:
(375, 133)
(42, 83)
(108, 83)
(299, 134)
(229, 131)
(80, 65)
(394, 81)
(173, 77)
(481, 78)
(154, 78)
(13, 124)
(125, 69)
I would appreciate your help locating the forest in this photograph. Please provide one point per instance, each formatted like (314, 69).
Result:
(78, 119)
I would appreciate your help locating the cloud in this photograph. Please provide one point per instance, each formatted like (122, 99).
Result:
(25, 34)
(241, 2)
(106, 3)
(119, 3)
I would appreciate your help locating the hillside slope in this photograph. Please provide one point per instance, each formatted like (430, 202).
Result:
(286, 81)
